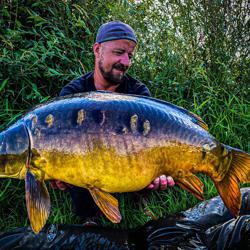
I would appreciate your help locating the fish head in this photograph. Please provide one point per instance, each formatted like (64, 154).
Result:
(14, 150)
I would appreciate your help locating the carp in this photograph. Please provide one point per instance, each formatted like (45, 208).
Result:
(109, 142)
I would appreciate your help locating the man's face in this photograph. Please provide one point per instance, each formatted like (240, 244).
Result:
(114, 59)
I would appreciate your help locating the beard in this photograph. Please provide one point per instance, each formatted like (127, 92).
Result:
(110, 76)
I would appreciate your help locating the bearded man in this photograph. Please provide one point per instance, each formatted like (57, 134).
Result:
(114, 49)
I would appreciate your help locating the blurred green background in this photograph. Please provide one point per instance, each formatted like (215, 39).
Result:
(192, 53)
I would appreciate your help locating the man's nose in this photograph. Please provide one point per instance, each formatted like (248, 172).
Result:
(125, 60)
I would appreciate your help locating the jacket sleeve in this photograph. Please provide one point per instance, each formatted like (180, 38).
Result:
(141, 89)
(72, 88)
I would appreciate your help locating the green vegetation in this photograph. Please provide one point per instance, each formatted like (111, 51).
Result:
(195, 55)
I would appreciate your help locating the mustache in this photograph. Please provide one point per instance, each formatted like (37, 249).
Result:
(120, 67)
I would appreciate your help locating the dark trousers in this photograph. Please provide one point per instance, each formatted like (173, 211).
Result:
(84, 205)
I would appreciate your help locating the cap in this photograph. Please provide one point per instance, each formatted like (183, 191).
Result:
(115, 30)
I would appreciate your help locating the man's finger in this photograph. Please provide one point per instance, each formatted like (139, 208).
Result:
(56, 184)
(163, 182)
(156, 183)
(61, 185)
(170, 181)
(53, 185)
(150, 186)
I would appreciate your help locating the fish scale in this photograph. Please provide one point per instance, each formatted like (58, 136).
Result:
(109, 142)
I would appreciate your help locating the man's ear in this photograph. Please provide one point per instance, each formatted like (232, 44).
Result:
(97, 49)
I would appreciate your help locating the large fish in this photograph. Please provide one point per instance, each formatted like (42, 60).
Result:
(109, 142)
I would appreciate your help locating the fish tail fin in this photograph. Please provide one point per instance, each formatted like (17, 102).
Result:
(240, 164)
(238, 172)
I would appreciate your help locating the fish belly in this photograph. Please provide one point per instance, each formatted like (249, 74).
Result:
(104, 170)
(110, 162)
(113, 167)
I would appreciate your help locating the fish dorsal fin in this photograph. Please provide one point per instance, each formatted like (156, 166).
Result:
(199, 121)
(193, 185)
(107, 203)
(37, 201)
(195, 118)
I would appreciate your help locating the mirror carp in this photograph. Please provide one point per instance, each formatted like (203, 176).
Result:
(109, 142)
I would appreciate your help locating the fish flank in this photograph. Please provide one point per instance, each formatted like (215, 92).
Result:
(134, 123)
(146, 127)
(49, 120)
(81, 115)
(103, 117)
(34, 120)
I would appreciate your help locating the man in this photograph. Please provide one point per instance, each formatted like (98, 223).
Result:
(113, 50)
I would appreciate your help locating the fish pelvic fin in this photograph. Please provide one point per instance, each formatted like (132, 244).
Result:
(193, 185)
(107, 203)
(37, 201)
(238, 172)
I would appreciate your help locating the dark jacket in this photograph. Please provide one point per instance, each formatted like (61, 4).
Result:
(86, 83)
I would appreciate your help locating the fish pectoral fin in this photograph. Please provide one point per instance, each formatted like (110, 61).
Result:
(107, 203)
(193, 185)
(37, 201)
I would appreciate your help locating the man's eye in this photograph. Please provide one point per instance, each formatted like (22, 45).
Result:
(118, 52)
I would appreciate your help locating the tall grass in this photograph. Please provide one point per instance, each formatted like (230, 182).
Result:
(187, 54)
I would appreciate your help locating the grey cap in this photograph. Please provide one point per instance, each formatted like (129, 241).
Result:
(115, 30)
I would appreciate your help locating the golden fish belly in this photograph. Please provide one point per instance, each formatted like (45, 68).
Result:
(107, 171)
(110, 170)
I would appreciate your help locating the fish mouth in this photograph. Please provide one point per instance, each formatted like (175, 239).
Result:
(12, 166)
(14, 151)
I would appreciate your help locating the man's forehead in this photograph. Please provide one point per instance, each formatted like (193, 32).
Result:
(120, 44)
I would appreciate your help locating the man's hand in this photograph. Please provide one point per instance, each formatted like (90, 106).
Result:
(55, 184)
(161, 183)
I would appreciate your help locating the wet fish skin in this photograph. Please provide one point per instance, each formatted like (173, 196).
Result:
(95, 140)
